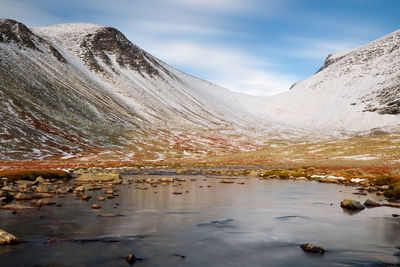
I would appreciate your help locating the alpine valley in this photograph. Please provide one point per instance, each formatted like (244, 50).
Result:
(84, 92)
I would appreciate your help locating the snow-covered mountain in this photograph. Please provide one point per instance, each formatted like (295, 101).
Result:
(355, 90)
(73, 87)
(76, 88)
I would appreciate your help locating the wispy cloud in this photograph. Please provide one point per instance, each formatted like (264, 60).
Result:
(25, 12)
(315, 48)
(233, 69)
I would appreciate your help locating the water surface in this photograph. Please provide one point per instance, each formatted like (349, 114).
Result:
(260, 223)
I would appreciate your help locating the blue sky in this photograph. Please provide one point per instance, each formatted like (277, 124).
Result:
(252, 46)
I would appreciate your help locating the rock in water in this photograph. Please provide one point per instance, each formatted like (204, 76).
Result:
(312, 248)
(227, 181)
(131, 258)
(23, 196)
(8, 239)
(351, 204)
(108, 177)
(371, 203)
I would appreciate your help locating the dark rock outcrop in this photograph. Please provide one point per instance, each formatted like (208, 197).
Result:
(12, 31)
(312, 249)
(351, 204)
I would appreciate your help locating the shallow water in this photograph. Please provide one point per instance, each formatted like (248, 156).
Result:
(260, 223)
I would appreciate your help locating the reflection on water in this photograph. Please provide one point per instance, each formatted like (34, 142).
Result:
(260, 223)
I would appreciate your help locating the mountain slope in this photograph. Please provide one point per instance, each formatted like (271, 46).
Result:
(157, 91)
(356, 90)
(72, 88)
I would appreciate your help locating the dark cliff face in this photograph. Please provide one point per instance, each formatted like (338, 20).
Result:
(15, 32)
(109, 41)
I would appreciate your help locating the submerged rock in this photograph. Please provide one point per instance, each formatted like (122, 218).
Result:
(79, 189)
(110, 215)
(310, 248)
(96, 207)
(351, 204)
(43, 202)
(371, 203)
(17, 207)
(227, 181)
(8, 239)
(393, 205)
(108, 177)
(131, 258)
(85, 197)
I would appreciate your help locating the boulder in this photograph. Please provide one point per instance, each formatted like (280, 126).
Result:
(351, 204)
(6, 194)
(23, 196)
(384, 187)
(85, 197)
(43, 202)
(80, 189)
(108, 177)
(131, 259)
(9, 188)
(301, 179)
(8, 239)
(45, 189)
(310, 248)
(43, 195)
(38, 180)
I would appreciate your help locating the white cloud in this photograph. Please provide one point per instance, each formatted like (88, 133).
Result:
(160, 27)
(24, 12)
(317, 48)
(230, 68)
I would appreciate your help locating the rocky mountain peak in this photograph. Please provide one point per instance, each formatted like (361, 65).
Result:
(386, 45)
(108, 41)
(14, 32)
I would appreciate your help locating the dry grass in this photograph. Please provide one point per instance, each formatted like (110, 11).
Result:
(367, 151)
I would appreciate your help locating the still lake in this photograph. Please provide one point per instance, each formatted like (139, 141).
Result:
(259, 223)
